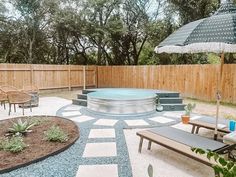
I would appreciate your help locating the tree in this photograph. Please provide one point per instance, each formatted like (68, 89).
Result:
(97, 13)
(191, 10)
(131, 30)
(103, 32)
(34, 17)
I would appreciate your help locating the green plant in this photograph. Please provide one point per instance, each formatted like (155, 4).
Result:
(189, 108)
(150, 170)
(159, 107)
(1, 144)
(20, 127)
(223, 168)
(55, 134)
(157, 100)
(37, 121)
(14, 144)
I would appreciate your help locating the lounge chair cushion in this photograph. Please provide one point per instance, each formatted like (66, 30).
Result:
(222, 123)
(188, 139)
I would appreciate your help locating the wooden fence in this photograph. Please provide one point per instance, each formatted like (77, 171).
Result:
(194, 81)
(47, 76)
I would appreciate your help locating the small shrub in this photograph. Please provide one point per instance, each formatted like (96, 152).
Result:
(14, 144)
(55, 134)
(19, 128)
(1, 144)
(37, 121)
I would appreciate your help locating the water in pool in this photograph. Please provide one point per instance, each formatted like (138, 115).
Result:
(122, 94)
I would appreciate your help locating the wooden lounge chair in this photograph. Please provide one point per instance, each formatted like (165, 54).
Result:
(182, 142)
(209, 123)
(3, 99)
(20, 98)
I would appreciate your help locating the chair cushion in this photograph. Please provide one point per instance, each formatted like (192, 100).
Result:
(188, 139)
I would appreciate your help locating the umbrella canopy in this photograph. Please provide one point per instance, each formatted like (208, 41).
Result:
(213, 34)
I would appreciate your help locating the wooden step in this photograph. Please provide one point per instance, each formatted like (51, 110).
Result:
(170, 100)
(173, 107)
(82, 96)
(79, 102)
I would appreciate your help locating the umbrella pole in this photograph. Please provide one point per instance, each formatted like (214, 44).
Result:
(218, 95)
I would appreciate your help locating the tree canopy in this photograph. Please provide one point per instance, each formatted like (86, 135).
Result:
(102, 32)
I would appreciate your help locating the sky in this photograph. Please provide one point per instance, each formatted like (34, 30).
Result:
(13, 13)
(10, 10)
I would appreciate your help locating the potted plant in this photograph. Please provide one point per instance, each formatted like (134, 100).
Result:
(159, 107)
(188, 110)
(232, 122)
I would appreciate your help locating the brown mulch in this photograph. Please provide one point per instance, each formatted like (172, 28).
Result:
(37, 146)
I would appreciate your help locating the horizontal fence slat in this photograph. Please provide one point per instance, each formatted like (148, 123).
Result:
(46, 76)
(194, 81)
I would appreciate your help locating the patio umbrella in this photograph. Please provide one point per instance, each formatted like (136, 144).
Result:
(215, 34)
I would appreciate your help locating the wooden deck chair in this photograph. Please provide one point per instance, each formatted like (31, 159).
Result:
(209, 123)
(182, 142)
(20, 98)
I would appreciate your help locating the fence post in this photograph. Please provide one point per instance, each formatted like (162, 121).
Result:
(84, 73)
(31, 74)
(96, 76)
(69, 77)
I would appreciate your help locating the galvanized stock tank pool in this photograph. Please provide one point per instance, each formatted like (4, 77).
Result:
(122, 101)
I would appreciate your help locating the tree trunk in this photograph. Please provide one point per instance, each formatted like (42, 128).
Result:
(135, 53)
(5, 56)
(30, 51)
(99, 53)
(67, 56)
(31, 43)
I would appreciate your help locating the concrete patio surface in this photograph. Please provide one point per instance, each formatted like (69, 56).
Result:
(105, 138)
(47, 106)
(166, 163)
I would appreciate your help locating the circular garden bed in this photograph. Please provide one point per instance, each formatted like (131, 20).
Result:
(45, 136)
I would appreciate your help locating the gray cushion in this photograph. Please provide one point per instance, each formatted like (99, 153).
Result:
(212, 120)
(188, 139)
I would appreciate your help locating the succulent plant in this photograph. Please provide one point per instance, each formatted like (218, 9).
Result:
(189, 108)
(20, 127)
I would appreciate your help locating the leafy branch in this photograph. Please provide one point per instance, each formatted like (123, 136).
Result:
(223, 167)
